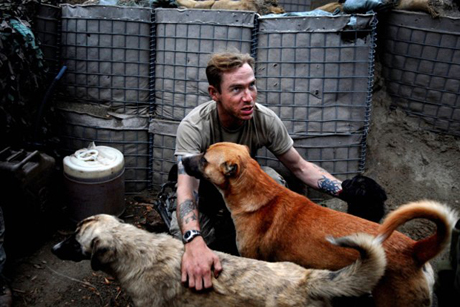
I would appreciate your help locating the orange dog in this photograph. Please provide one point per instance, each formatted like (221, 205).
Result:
(275, 224)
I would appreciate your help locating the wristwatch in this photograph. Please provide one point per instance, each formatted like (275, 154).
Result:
(189, 235)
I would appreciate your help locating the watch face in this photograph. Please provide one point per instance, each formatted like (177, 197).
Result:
(190, 234)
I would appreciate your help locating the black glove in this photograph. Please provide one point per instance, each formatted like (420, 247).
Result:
(365, 197)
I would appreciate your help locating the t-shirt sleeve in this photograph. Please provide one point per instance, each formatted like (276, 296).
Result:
(188, 140)
(281, 141)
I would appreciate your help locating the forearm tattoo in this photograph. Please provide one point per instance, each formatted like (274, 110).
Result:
(329, 186)
(187, 212)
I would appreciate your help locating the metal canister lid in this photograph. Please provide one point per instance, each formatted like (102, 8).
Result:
(94, 162)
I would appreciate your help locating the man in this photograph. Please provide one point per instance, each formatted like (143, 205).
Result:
(232, 116)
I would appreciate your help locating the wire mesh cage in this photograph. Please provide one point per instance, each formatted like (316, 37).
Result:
(105, 94)
(421, 67)
(164, 144)
(316, 74)
(184, 41)
(107, 53)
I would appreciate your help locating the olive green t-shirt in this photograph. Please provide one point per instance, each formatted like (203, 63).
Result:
(201, 128)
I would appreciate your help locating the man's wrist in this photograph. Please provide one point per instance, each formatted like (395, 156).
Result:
(189, 235)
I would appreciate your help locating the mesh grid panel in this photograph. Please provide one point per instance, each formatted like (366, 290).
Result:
(421, 65)
(164, 143)
(184, 41)
(318, 80)
(108, 56)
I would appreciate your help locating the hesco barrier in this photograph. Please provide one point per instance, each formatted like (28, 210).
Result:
(316, 74)
(105, 94)
(421, 67)
(134, 73)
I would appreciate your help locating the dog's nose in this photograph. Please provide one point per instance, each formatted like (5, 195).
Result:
(192, 165)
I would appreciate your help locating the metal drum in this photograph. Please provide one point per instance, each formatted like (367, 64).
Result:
(94, 180)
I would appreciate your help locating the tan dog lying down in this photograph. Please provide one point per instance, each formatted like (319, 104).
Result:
(276, 224)
(263, 7)
(148, 267)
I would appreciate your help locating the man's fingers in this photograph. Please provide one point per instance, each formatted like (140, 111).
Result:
(217, 268)
(191, 281)
(198, 284)
(184, 276)
(207, 281)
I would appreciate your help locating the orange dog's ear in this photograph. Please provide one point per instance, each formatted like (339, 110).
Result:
(230, 168)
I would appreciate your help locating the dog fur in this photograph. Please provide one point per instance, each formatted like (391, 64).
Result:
(147, 266)
(365, 198)
(263, 7)
(275, 224)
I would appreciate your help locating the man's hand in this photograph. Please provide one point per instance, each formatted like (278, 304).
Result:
(198, 262)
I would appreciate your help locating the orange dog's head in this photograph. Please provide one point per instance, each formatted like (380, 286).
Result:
(219, 164)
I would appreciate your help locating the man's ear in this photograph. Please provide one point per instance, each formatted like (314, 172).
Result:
(214, 93)
(230, 168)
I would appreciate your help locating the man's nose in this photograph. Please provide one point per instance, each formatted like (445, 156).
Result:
(247, 95)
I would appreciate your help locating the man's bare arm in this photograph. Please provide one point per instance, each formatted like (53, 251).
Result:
(311, 174)
(198, 260)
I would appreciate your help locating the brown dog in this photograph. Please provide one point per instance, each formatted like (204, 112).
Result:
(275, 224)
(263, 7)
(147, 266)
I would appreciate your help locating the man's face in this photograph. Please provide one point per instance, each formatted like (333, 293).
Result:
(237, 97)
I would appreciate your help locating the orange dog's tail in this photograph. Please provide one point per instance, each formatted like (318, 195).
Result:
(428, 248)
